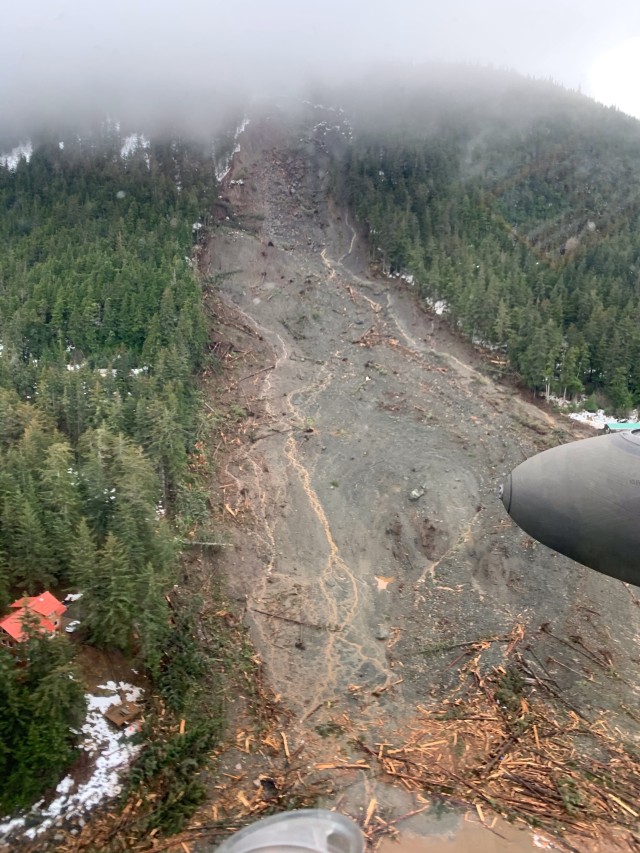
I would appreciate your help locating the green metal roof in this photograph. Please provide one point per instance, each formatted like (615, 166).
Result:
(616, 426)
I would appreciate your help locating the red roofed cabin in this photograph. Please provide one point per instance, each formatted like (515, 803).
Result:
(44, 611)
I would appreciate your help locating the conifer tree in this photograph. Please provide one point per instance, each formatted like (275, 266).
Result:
(60, 499)
(82, 562)
(41, 697)
(152, 622)
(33, 563)
(110, 599)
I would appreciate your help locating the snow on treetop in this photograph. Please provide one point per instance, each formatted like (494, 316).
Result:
(22, 151)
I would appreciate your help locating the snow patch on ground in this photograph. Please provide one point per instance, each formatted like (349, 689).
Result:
(322, 128)
(22, 151)
(224, 167)
(111, 751)
(597, 420)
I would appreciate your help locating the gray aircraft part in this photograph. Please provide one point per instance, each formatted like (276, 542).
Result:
(583, 500)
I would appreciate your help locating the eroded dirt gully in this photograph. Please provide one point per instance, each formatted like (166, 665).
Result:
(365, 398)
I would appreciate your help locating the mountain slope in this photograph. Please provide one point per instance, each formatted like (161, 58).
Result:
(517, 203)
(388, 595)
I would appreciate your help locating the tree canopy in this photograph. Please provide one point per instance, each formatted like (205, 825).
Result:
(516, 203)
(102, 331)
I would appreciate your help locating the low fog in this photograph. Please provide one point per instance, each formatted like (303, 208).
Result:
(190, 62)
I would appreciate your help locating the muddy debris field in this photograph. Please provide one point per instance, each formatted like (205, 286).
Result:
(388, 595)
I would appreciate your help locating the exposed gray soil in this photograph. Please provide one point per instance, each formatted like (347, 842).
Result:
(367, 397)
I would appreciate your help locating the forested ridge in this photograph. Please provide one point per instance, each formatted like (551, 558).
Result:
(102, 331)
(516, 202)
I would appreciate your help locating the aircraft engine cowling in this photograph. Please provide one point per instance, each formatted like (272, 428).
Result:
(583, 500)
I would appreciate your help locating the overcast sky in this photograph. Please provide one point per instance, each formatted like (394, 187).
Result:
(61, 53)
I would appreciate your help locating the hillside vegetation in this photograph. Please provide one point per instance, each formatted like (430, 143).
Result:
(516, 202)
(101, 330)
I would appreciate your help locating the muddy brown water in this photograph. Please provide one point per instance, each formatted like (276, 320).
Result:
(465, 835)
(376, 532)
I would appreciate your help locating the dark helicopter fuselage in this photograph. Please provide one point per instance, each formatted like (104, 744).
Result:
(583, 500)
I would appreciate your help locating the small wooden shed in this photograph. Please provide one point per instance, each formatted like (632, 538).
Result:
(123, 714)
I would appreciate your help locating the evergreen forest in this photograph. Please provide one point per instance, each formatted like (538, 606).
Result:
(102, 332)
(516, 204)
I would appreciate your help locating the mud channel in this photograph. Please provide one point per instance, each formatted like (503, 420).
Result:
(375, 547)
